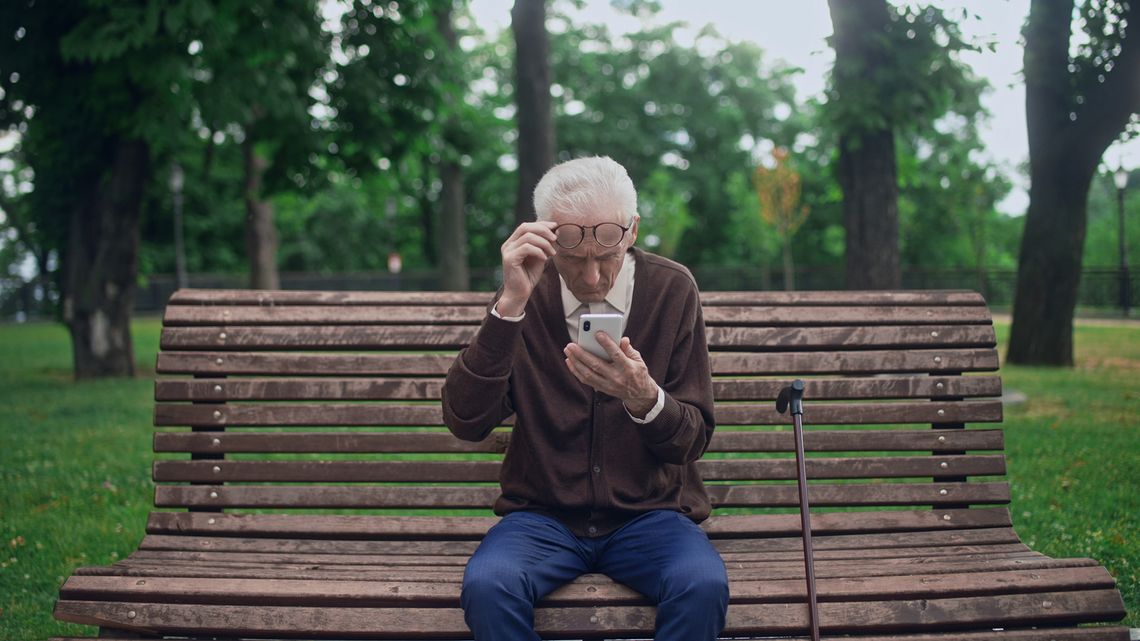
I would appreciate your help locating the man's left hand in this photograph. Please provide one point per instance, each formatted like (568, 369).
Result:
(625, 376)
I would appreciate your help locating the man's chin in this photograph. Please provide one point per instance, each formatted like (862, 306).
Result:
(591, 297)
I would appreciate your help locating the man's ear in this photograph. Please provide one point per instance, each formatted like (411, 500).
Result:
(633, 230)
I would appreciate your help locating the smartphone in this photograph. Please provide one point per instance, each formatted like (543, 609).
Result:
(590, 324)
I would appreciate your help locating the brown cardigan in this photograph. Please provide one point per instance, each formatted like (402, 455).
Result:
(574, 453)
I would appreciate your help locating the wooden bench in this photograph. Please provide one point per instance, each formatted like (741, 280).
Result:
(320, 497)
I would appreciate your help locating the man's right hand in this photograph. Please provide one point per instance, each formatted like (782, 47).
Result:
(524, 258)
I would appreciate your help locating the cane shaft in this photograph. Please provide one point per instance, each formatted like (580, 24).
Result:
(805, 525)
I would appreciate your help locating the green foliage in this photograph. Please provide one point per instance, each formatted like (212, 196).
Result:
(911, 76)
(664, 214)
(1102, 239)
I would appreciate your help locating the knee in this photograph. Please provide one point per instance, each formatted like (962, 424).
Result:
(698, 586)
(493, 587)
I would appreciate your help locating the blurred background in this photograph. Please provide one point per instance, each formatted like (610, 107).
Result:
(148, 145)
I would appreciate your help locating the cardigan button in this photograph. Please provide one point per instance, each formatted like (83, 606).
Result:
(597, 469)
(592, 530)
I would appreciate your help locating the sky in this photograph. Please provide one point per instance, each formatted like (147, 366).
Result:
(795, 31)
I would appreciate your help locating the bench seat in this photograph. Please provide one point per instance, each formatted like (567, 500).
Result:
(319, 497)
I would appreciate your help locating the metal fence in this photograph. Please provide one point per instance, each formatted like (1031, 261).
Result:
(1099, 291)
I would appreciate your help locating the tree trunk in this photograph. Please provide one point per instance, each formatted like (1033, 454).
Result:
(260, 230)
(454, 275)
(532, 92)
(868, 178)
(1049, 268)
(1067, 138)
(789, 267)
(866, 169)
(101, 266)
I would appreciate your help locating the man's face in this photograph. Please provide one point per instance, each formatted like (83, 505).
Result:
(591, 269)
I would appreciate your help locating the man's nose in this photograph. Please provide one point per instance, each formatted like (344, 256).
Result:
(591, 274)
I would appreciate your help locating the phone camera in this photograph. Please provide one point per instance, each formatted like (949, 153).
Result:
(586, 326)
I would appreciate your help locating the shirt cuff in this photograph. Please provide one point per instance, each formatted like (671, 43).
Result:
(660, 405)
(512, 319)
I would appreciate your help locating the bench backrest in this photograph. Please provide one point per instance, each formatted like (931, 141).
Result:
(330, 400)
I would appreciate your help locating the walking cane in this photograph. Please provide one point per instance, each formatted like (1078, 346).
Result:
(794, 395)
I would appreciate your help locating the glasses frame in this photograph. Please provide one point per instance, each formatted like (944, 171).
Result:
(593, 231)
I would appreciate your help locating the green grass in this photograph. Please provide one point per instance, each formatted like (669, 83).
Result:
(75, 464)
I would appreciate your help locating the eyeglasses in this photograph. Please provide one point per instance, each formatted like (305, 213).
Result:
(569, 235)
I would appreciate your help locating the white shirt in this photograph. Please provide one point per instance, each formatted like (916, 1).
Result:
(618, 300)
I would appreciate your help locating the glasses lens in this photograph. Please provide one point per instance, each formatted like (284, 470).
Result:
(608, 234)
(569, 236)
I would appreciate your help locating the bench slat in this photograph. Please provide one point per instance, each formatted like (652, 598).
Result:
(454, 527)
(301, 591)
(723, 363)
(268, 298)
(1035, 634)
(213, 297)
(735, 315)
(845, 297)
(445, 497)
(724, 440)
(411, 389)
(743, 619)
(923, 567)
(364, 415)
(397, 562)
(418, 471)
(832, 542)
(416, 336)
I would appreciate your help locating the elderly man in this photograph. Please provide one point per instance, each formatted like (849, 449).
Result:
(600, 475)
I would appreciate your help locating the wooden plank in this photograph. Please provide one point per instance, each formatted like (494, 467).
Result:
(733, 560)
(844, 297)
(454, 527)
(221, 363)
(373, 388)
(724, 440)
(366, 415)
(206, 296)
(488, 471)
(810, 338)
(743, 619)
(879, 387)
(300, 389)
(858, 315)
(235, 315)
(1035, 634)
(269, 298)
(321, 337)
(227, 364)
(870, 362)
(776, 570)
(350, 333)
(309, 592)
(830, 542)
(449, 497)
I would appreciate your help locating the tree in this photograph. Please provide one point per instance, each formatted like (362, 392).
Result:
(866, 169)
(254, 68)
(1076, 105)
(778, 190)
(98, 80)
(532, 95)
(895, 70)
(453, 267)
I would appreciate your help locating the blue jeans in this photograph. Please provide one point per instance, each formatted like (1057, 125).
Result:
(663, 555)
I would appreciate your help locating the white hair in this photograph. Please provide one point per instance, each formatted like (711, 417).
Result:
(584, 186)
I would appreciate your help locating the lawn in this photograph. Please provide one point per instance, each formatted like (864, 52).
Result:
(75, 463)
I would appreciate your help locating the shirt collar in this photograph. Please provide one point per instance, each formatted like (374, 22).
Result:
(617, 296)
